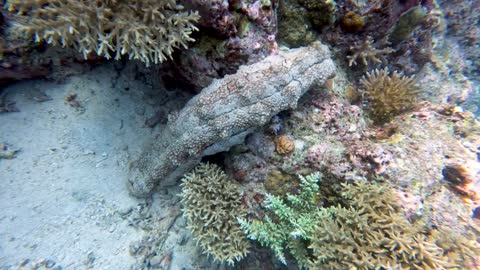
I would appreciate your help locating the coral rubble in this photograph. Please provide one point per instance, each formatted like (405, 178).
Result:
(211, 204)
(225, 112)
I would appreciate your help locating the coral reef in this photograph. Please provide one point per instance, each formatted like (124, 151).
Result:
(351, 24)
(232, 33)
(144, 30)
(388, 94)
(294, 28)
(319, 12)
(298, 19)
(22, 60)
(407, 23)
(462, 18)
(279, 183)
(369, 158)
(363, 229)
(211, 204)
(227, 111)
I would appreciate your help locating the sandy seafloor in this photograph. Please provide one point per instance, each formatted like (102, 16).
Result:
(64, 201)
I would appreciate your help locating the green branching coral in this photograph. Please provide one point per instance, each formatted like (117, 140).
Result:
(388, 94)
(146, 30)
(295, 220)
(368, 231)
(211, 204)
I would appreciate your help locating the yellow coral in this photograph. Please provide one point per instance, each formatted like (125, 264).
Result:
(388, 94)
(211, 204)
(147, 30)
(352, 22)
(373, 234)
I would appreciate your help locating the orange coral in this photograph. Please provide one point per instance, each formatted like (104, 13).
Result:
(284, 144)
(352, 22)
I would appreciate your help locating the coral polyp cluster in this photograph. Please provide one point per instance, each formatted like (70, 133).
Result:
(211, 204)
(144, 30)
(388, 94)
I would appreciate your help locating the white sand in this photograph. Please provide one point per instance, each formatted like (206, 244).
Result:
(60, 195)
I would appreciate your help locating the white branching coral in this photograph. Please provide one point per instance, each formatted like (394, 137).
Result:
(147, 30)
(211, 205)
(366, 53)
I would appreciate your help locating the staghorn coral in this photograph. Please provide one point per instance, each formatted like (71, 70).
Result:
(225, 112)
(145, 30)
(211, 204)
(374, 235)
(367, 53)
(388, 94)
(294, 221)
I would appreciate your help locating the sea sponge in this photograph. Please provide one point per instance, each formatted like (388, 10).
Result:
(388, 94)
(284, 144)
(146, 30)
(211, 205)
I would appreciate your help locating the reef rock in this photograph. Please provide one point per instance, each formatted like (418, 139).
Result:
(226, 111)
